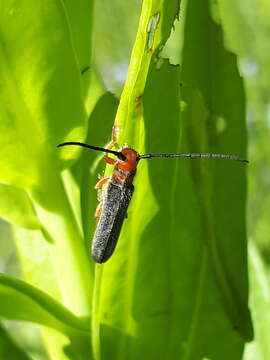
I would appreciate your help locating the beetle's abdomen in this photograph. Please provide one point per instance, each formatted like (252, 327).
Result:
(115, 203)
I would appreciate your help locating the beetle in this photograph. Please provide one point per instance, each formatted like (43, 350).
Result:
(118, 191)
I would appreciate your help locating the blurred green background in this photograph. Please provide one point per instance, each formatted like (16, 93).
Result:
(246, 33)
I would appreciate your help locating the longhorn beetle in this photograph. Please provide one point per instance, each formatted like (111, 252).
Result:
(117, 193)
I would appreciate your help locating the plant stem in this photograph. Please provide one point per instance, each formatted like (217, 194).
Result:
(95, 323)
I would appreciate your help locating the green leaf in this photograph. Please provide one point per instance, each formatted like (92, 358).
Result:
(36, 58)
(259, 349)
(80, 21)
(160, 272)
(205, 313)
(16, 207)
(42, 103)
(154, 27)
(80, 18)
(220, 187)
(172, 281)
(35, 259)
(8, 349)
(21, 301)
(246, 32)
(156, 21)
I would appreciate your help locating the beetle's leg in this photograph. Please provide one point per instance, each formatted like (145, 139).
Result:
(98, 211)
(109, 160)
(98, 187)
(111, 144)
(101, 182)
(115, 133)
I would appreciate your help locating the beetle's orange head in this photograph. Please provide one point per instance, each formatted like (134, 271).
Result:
(130, 161)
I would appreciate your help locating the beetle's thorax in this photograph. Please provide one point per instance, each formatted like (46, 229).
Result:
(125, 170)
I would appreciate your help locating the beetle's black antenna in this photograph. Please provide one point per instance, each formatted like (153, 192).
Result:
(116, 153)
(194, 156)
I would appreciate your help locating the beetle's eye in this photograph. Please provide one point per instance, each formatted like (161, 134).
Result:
(121, 156)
